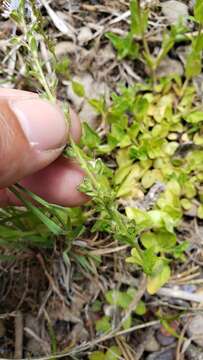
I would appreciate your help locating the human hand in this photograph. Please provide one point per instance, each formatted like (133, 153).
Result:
(33, 133)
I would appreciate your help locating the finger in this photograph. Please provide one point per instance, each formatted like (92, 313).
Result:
(58, 184)
(33, 133)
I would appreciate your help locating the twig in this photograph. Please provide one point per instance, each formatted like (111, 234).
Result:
(180, 294)
(50, 279)
(18, 335)
(180, 341)
(134, 303)
(85, 347)
(109, 251)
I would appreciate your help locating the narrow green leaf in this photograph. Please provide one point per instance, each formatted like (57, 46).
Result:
(198, 11)
(135, 19)
(113, 353)
(78, 89)
(51, 225)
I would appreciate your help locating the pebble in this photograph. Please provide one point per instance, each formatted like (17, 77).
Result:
(195, 329)
(173, 136)
(169, 66)
(84, 35)
(164, 340)
(194, 353)
(34, 347)
(174, 10)
(152, 345)
(162, 355)
(64, 48)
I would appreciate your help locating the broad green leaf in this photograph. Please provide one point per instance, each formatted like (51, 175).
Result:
(200, 212)
(130, 181)
(189, 190)
(186, 204)
(155, 147)
(150, 177)
(121, 173)
(195, 117)
(160, 276)
(160, 219)
(173, 188)
(98, 104)
(125, 46)
(149, 260)
(97, 355)
(135, 257)
(127, 323)
(198, 139)
(103, 325)
(178, 251)
(141, 217)
(90, 137)
(78, 89)
(138, 153)
(149, 240)
(113, 353)
(141, 308)
(118, 298)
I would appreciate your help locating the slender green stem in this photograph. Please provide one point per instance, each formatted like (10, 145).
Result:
(43, 80)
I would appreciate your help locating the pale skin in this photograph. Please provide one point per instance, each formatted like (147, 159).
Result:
(33, 134)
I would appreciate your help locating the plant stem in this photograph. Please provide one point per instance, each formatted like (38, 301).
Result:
(148, 55)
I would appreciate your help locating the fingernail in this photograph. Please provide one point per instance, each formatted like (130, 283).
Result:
(42, 122)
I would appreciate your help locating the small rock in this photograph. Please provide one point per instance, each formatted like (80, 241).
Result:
(174, 10)
(34, 347)
(152, 344)
(195, 329)
(84, 35)
(65, 47)
(2, 328)
(104, 55)
(173, 136)
(190, 288)
(169, 66)
(193, 353)
(162, 355)
(164, 340)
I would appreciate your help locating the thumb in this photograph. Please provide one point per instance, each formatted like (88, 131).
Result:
(33, 133)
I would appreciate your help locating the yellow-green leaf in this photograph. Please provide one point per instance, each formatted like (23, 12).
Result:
(160, 276)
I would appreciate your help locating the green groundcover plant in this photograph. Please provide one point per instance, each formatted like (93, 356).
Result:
(144, 169)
